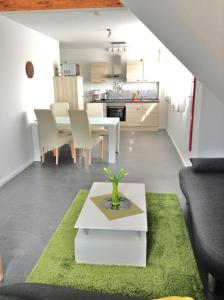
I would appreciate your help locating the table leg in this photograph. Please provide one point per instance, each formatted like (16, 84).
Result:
(1, 270)
(35, 137)
(112, 144)
(118, 138)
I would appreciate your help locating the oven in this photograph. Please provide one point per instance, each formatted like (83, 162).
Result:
(117, 111)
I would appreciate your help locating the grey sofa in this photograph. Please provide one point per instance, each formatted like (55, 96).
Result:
(26, 291)
(203, 187)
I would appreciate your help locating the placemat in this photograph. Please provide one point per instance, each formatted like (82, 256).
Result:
(116, 214)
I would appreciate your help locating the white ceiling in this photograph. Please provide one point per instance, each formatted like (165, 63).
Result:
(87, 28)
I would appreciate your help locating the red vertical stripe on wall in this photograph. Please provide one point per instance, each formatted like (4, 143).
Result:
(192, 116)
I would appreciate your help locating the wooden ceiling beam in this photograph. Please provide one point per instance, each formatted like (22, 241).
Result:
(27, 5)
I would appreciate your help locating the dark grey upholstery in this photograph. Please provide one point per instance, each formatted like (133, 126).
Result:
(207, 164)
(205, 193)
(10, 298)
(50, 292)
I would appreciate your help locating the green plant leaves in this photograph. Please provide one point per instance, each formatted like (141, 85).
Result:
(115, 177)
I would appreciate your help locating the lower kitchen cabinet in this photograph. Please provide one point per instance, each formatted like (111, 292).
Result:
(133, 114)
(150, 115)
(142, 115)
(139, 116)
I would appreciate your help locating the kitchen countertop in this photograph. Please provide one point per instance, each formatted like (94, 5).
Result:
(125, 101)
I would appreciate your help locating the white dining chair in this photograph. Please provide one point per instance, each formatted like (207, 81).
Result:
(60, 109)
(82, 136)
(96, 110)
(49, 137)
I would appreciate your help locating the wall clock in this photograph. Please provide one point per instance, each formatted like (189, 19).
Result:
(29, 69)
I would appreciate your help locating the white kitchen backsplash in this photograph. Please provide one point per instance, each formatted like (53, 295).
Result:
(152, 93)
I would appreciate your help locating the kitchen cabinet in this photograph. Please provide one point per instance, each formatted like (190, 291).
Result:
(133, 114)
(142, 71)
(99, 72)
(141, 116)
(151, 71)
(134, 71)
(69, 89)
(104, 110)
(150, 115)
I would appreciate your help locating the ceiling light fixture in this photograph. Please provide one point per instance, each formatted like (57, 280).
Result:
(109, 31)
(96, 13)
(117, 47)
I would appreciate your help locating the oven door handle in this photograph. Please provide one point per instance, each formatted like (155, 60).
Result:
(110, 107)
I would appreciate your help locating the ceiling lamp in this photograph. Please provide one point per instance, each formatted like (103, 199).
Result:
(117, 47)
(109, 31)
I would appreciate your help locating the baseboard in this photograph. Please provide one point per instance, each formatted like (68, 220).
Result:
(16, 172)
(185, 163)
(138, 128)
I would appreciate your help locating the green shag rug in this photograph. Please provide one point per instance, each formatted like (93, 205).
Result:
(171, 268)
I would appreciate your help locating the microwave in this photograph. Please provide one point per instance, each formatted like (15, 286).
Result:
(70, 69)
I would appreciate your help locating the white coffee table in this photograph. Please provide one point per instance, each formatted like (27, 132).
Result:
(116, 242)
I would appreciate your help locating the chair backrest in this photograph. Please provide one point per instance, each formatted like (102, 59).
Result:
(81, 132)
(47, 128)
(60, 109)
(95, 109)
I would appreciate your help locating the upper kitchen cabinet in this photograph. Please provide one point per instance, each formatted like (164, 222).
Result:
(134, 71)
(151, 71)
(142, 71)
(99, 71)
(69, 89)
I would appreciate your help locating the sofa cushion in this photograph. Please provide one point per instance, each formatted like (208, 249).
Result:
(2, 297)
(32, 291)
(205, 194)
(207, 164)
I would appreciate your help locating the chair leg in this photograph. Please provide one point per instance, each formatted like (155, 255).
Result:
(101, 149)
(71, 149)
(42, 155)
(1, 270)
(83, 153)
(56, 156)
(90, 156)
(74, 155)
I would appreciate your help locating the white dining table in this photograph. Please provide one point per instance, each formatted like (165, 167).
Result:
(112, 124)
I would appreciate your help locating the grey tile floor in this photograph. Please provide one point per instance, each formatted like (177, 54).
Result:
(33, 203)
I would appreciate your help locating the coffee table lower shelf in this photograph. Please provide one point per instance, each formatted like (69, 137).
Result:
(111, 247)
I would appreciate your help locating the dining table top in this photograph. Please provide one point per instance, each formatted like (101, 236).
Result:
(104, 121)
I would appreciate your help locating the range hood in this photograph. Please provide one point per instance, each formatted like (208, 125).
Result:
(116, 66)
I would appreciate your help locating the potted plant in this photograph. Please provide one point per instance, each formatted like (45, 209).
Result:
(115, 178)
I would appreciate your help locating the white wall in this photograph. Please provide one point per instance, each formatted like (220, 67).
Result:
(19, 95)
(85, 57)
(177, 87)
(211, 138)
(208, 138)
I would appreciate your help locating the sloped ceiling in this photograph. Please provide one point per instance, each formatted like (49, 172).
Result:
(193, 30)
